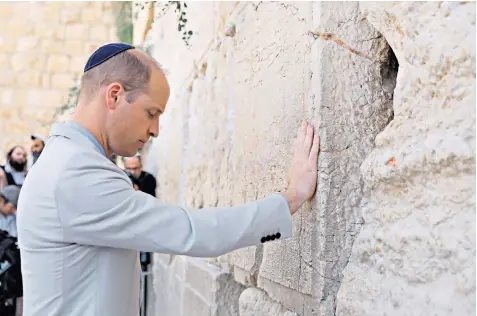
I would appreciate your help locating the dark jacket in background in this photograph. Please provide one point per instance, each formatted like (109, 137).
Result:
(9, 176)
(147, 183)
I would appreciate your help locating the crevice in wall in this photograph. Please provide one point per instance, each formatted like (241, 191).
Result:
(389, 75)
(382, 115)
(333, 37)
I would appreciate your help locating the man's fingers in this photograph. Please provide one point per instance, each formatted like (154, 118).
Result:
(308, 139)
(315, 149)
(300, 138)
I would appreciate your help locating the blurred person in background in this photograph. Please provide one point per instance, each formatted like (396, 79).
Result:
(37, 145)
(134, 168)
(11, 289)
(15, 170)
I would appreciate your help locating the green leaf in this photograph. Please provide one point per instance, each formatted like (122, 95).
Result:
(190, 33)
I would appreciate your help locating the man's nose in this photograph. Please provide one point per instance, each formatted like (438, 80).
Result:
(154, 129)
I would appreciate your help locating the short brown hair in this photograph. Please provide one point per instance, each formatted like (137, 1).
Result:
(131, 71)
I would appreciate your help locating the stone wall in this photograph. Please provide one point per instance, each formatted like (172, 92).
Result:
(43, 48)
(392, 87)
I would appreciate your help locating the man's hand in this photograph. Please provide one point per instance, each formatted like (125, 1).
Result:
(303, 172)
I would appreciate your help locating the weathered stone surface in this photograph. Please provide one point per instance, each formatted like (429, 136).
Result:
(191, 286)
(293, 300)
(396, 137)
(415, 255)
(255, 302)
(77, 31)
(72, 47)
(70, 15)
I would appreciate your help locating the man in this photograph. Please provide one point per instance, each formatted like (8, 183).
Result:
(10, 264)
(147, 182)
(14, 171)
(8, 207)
(80, 231)
(37, 145)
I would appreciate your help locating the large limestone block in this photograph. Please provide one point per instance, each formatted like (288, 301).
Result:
(348, 90)
(255, 302)
(6, 10)
(415, 255)
(209, 177)
(77, 31)
(269, 92)
(191, 286)
(169, 149)
(70, 15)
(168, 285)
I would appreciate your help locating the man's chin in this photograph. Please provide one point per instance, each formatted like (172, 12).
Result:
(127, 154)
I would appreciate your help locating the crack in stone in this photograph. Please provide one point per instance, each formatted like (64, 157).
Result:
(300, 250)
(318, 271)
(254, 271)
(257, 5)
(334, 150)
(332, 37)
(288, 6)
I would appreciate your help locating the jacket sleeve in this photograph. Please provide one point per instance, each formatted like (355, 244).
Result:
(97, 206)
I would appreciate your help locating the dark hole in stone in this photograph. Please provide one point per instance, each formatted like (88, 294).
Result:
(392, 60)
(389, 73)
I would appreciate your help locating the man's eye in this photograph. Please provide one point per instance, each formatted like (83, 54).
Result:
(151, 115)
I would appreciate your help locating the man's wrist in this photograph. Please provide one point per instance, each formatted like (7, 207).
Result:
(294, 203)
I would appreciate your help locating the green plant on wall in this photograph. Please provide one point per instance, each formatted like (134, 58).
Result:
(180, 8)
(124, 24)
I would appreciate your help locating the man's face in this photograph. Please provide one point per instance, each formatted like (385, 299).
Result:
(133, 165)
(6, 207)
(36, 149)
(18, 159)
(36, 146)
(130, 125)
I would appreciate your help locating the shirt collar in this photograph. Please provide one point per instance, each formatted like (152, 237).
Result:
(71, 129)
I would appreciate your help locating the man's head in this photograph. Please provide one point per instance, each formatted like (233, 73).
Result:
(133, 166)
(17, 158)
(9, 199)
(37, 145)
(126, 94)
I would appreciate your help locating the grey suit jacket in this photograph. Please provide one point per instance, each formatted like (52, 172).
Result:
(81, 225)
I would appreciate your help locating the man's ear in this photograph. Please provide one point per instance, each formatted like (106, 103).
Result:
(114, 91)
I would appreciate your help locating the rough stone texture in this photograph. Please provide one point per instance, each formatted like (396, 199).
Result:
(392, 149)
(42, 50)
(191, 286)
(255, 302)
(416, 253)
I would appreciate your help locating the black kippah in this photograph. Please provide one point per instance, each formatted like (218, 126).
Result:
(104, 53)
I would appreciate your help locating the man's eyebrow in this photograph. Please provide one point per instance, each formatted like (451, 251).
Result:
(159, 110)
